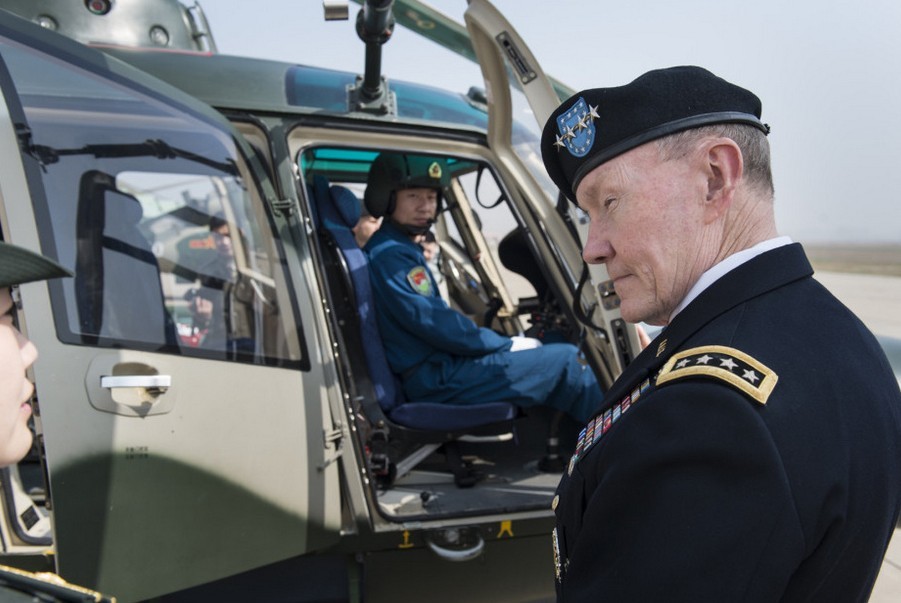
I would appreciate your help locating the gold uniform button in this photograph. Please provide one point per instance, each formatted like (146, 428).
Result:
(555, 502)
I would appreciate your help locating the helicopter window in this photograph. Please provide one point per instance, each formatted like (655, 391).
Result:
(158, 214)
(434, 104)
(325, 89)
(495, 220)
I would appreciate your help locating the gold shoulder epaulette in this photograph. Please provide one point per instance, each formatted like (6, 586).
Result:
(46, 583)
(724, 364)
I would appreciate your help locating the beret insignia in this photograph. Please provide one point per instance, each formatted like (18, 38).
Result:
(724, 364)
(575, 128)
(420, 281)
(574, 141)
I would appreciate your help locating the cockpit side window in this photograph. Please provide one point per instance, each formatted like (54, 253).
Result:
(157, 213)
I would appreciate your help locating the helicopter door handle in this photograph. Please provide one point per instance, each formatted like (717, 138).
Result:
(132, 384)
(157, 382)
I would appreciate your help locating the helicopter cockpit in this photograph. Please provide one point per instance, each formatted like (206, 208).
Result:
(420, 452)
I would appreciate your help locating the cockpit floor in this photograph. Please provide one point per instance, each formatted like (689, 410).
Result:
(506, 488)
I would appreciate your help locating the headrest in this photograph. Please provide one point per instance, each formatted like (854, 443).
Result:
(347, 204)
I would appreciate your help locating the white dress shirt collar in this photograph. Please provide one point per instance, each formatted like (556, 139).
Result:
(730, 263)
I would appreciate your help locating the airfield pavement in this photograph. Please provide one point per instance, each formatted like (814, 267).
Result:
(876, 300)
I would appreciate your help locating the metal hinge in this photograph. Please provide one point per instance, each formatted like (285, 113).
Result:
(283, 207)
(332, 439)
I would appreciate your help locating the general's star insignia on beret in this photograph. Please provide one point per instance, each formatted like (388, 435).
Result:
(576, 129)
(725, 364)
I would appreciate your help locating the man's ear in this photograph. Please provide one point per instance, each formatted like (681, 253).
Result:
(724, 165)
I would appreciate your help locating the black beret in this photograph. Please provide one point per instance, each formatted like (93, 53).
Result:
(596, 125)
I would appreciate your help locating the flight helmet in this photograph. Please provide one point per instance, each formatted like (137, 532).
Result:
(391, 172)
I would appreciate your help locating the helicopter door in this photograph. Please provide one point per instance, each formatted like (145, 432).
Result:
(186, 431)
(506, 61)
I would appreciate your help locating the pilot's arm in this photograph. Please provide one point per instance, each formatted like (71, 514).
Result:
(411, 287)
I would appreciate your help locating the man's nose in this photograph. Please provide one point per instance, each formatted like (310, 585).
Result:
(28, 350)
(597, 248)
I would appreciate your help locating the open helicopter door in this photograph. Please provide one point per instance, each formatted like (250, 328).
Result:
(183, 415)
(507, 62)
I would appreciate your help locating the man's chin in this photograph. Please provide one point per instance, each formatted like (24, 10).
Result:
(634, 314)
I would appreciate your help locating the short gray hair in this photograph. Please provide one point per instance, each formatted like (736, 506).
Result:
(755, 150)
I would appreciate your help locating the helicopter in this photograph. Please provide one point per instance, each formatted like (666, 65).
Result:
(181, 457)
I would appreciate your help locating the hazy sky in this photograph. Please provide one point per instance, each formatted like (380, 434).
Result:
(828, 73)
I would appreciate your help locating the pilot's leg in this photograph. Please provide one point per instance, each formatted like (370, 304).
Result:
(550, 375)
(557, 379)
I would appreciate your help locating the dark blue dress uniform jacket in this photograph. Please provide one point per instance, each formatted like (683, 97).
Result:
(779, 483)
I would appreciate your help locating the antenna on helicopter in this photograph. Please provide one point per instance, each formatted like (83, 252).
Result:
(370, 92)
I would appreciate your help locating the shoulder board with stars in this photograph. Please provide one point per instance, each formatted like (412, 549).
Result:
(724, 364)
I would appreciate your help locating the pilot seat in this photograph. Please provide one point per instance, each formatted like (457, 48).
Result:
(416, 428)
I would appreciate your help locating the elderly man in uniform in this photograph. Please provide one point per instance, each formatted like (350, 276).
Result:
(752, 452)
(441, 355)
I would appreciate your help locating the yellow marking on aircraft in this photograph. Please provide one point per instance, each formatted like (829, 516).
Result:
(506, 528)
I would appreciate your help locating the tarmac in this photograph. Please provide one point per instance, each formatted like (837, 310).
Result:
(888, 584)
(875, 300)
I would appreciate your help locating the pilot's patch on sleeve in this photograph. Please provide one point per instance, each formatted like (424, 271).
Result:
(420, 281)
(725, 364)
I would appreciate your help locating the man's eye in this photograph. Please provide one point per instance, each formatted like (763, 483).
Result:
(609, 201)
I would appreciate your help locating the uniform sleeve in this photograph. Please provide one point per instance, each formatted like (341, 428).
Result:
(686, 501)
(428, 317)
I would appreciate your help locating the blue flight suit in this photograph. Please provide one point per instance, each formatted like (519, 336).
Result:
(752, 452)
(444, 357)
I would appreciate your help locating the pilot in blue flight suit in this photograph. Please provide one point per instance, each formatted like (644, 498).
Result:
(441, 355)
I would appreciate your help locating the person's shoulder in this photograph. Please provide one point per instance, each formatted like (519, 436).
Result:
(380, 240)
(382, 246)
(727, 366)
